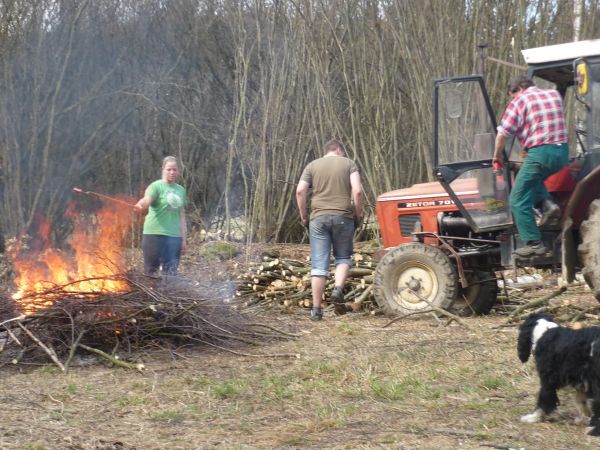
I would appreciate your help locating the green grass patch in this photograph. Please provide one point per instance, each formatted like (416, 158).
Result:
(318, 368)
(226, 389)
(131, 400)
(404, 387)
(466, 389)
(219, 249)
(276, 388)
(347, 329)
(169, 415)
(198, 381)
(327, 417)
(433, 394)
(393, 389)
(139, 386)
(491, 382)
(478, 405)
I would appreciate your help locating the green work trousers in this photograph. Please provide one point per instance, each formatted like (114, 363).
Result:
(529, 189)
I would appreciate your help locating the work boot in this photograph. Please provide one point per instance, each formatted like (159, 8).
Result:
(337, 297)
(550, 212)
(533, 248)
(337, 294)
(316, 314)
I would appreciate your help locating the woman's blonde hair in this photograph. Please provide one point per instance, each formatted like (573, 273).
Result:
(169, 159)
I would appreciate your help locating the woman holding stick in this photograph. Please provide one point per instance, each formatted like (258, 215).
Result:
(164, 235)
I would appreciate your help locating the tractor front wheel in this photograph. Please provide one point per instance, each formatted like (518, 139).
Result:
(414, 277)
(589, 249)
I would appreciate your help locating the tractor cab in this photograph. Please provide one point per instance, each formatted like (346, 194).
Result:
(463, 143)
(463, 146)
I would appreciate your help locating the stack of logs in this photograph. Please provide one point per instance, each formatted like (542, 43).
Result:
(286, 281)
(279, 281)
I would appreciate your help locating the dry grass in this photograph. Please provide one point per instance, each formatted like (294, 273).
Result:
(417, 384)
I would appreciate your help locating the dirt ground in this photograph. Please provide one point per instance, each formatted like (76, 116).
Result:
(347, 382)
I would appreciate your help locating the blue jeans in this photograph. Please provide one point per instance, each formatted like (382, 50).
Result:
(327, 232)
(161, 251)
(529, 189)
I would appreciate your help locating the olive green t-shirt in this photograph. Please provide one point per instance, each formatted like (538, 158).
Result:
(329, 178)
(164, 213)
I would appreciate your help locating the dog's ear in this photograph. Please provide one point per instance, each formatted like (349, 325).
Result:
(524, 342)
(524, 346)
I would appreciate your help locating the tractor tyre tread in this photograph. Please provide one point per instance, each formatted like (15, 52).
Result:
(480, 297)
(589, 249)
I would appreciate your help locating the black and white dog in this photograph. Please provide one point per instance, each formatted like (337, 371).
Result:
(563, 357)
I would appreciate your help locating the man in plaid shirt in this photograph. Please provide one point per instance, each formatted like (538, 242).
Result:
(535, 116)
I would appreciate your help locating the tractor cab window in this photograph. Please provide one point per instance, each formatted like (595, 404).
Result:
(575, 111)
(464, 136)
(585, 95)
(465, 130)
(582, 116)
(595, 105)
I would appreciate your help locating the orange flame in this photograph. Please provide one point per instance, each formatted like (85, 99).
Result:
(97, 244)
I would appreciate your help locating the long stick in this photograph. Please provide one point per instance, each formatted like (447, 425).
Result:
(113, 359)
(102, 196)
(49, 350)
(441, 310)
(540, 301)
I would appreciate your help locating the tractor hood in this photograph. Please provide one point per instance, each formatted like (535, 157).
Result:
(430, 190)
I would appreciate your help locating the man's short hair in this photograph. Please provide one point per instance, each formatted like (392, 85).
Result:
(520, 81)
(332, 146)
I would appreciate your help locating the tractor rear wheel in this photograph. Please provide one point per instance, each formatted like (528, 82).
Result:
(589, 249)
(479, 297)
(414, 277)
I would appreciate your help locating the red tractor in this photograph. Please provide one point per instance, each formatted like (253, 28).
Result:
(446, 240)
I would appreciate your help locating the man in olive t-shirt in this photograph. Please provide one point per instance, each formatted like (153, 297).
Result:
(336, 208)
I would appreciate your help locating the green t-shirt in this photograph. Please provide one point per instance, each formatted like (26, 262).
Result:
(164, 213)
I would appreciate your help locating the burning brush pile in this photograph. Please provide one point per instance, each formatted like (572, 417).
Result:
(70, 304)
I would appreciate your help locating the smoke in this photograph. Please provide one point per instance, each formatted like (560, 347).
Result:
(95, 94)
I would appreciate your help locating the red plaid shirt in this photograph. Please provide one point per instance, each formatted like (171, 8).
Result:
(535, 117)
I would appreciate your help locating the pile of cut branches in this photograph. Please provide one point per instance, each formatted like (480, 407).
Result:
(279, 281)
(573, 303)
(283, 281)
(165, 312)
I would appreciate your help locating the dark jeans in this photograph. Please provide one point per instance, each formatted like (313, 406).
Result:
(529, 189)
(161, 251)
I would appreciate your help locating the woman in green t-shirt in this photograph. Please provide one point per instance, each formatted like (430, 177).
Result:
(164, 235)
